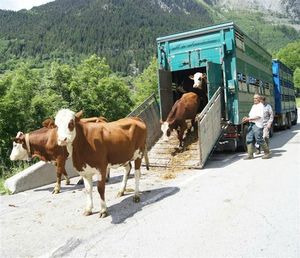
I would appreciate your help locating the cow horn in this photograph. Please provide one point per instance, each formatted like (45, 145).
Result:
(79, 114)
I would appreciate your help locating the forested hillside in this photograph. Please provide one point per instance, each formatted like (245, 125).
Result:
(122, 31)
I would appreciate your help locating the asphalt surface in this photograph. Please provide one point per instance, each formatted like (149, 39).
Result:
(231, 208)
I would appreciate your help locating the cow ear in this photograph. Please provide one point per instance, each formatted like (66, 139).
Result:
(204, 75)
(49, 123)
(20, 138)
(191, 77)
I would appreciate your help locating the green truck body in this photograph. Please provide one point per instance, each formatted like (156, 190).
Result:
(231, 60)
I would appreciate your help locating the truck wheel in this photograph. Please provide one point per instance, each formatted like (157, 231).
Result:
(294, 122)
(289, 122)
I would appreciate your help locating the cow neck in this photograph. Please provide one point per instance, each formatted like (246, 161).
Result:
(27, 142)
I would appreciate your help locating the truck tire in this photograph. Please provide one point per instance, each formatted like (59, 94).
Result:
(294, 122)
(289, 122)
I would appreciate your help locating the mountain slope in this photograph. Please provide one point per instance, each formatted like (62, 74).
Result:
(287, 11)
(122, 31)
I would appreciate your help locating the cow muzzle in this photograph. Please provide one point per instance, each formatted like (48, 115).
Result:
(62, 142)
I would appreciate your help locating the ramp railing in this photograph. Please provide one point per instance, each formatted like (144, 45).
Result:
(209, 127)
(149, 112)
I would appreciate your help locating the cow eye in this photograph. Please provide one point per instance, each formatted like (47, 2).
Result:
(71, 125)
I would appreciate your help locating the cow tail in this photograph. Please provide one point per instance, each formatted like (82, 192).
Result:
(146, 157)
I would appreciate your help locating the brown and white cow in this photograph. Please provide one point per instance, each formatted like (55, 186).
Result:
(184, 109)
(97, 146)
(42, 143)
(200, 81)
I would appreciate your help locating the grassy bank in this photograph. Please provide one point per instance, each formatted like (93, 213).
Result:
(6, 173)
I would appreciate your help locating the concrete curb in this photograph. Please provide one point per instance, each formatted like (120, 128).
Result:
(37, 175)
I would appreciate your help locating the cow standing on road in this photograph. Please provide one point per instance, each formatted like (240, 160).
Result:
(42, 143)
(97, 146)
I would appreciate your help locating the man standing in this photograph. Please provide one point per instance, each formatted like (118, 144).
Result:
(255, 129)
(268, 120)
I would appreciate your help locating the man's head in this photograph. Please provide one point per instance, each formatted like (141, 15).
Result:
(262, 99)
(256, 98)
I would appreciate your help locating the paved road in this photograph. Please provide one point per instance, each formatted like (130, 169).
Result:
(232, 208)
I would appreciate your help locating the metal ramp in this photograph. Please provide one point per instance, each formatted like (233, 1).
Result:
(167, 154)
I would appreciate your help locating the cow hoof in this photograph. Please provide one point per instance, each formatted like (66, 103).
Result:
(103, 214)
(80, 182)
(87, 213)
(120, 194)
(56, 191)
(136, 199)
(67, 181)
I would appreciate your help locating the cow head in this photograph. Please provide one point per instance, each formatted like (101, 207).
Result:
(19, 151)
(65, 121)
(200, 80)
(166, 130)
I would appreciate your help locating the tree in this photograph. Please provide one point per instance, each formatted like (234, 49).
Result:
(146, 83)
(95, 90)
(290, 55)
(297, 80)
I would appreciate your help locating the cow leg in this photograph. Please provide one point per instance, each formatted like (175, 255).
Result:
(66, 176)
(101, 190)
(60, 169)
(137, 175)
(67, 179)
(107, 174)
(181, 134)
(56, 189)
(88, 184)
(127, 169)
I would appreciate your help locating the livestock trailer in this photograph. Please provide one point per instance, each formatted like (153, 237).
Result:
(284, 91)
(236, 69)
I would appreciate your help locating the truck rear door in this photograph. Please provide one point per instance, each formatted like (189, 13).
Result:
(209, 121)
(214, 78)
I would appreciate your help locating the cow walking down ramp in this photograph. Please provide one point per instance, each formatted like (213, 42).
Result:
(97, 146)
(184, 109)
(198, 145)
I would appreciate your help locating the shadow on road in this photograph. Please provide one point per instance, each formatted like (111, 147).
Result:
(127, 208)
(72, 187)
(283, 136)
(279, 139)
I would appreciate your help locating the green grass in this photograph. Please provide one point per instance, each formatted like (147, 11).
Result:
(9, 172)
(298, 102)
(3, 190)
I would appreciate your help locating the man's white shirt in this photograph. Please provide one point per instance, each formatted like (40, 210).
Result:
(257, 110)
